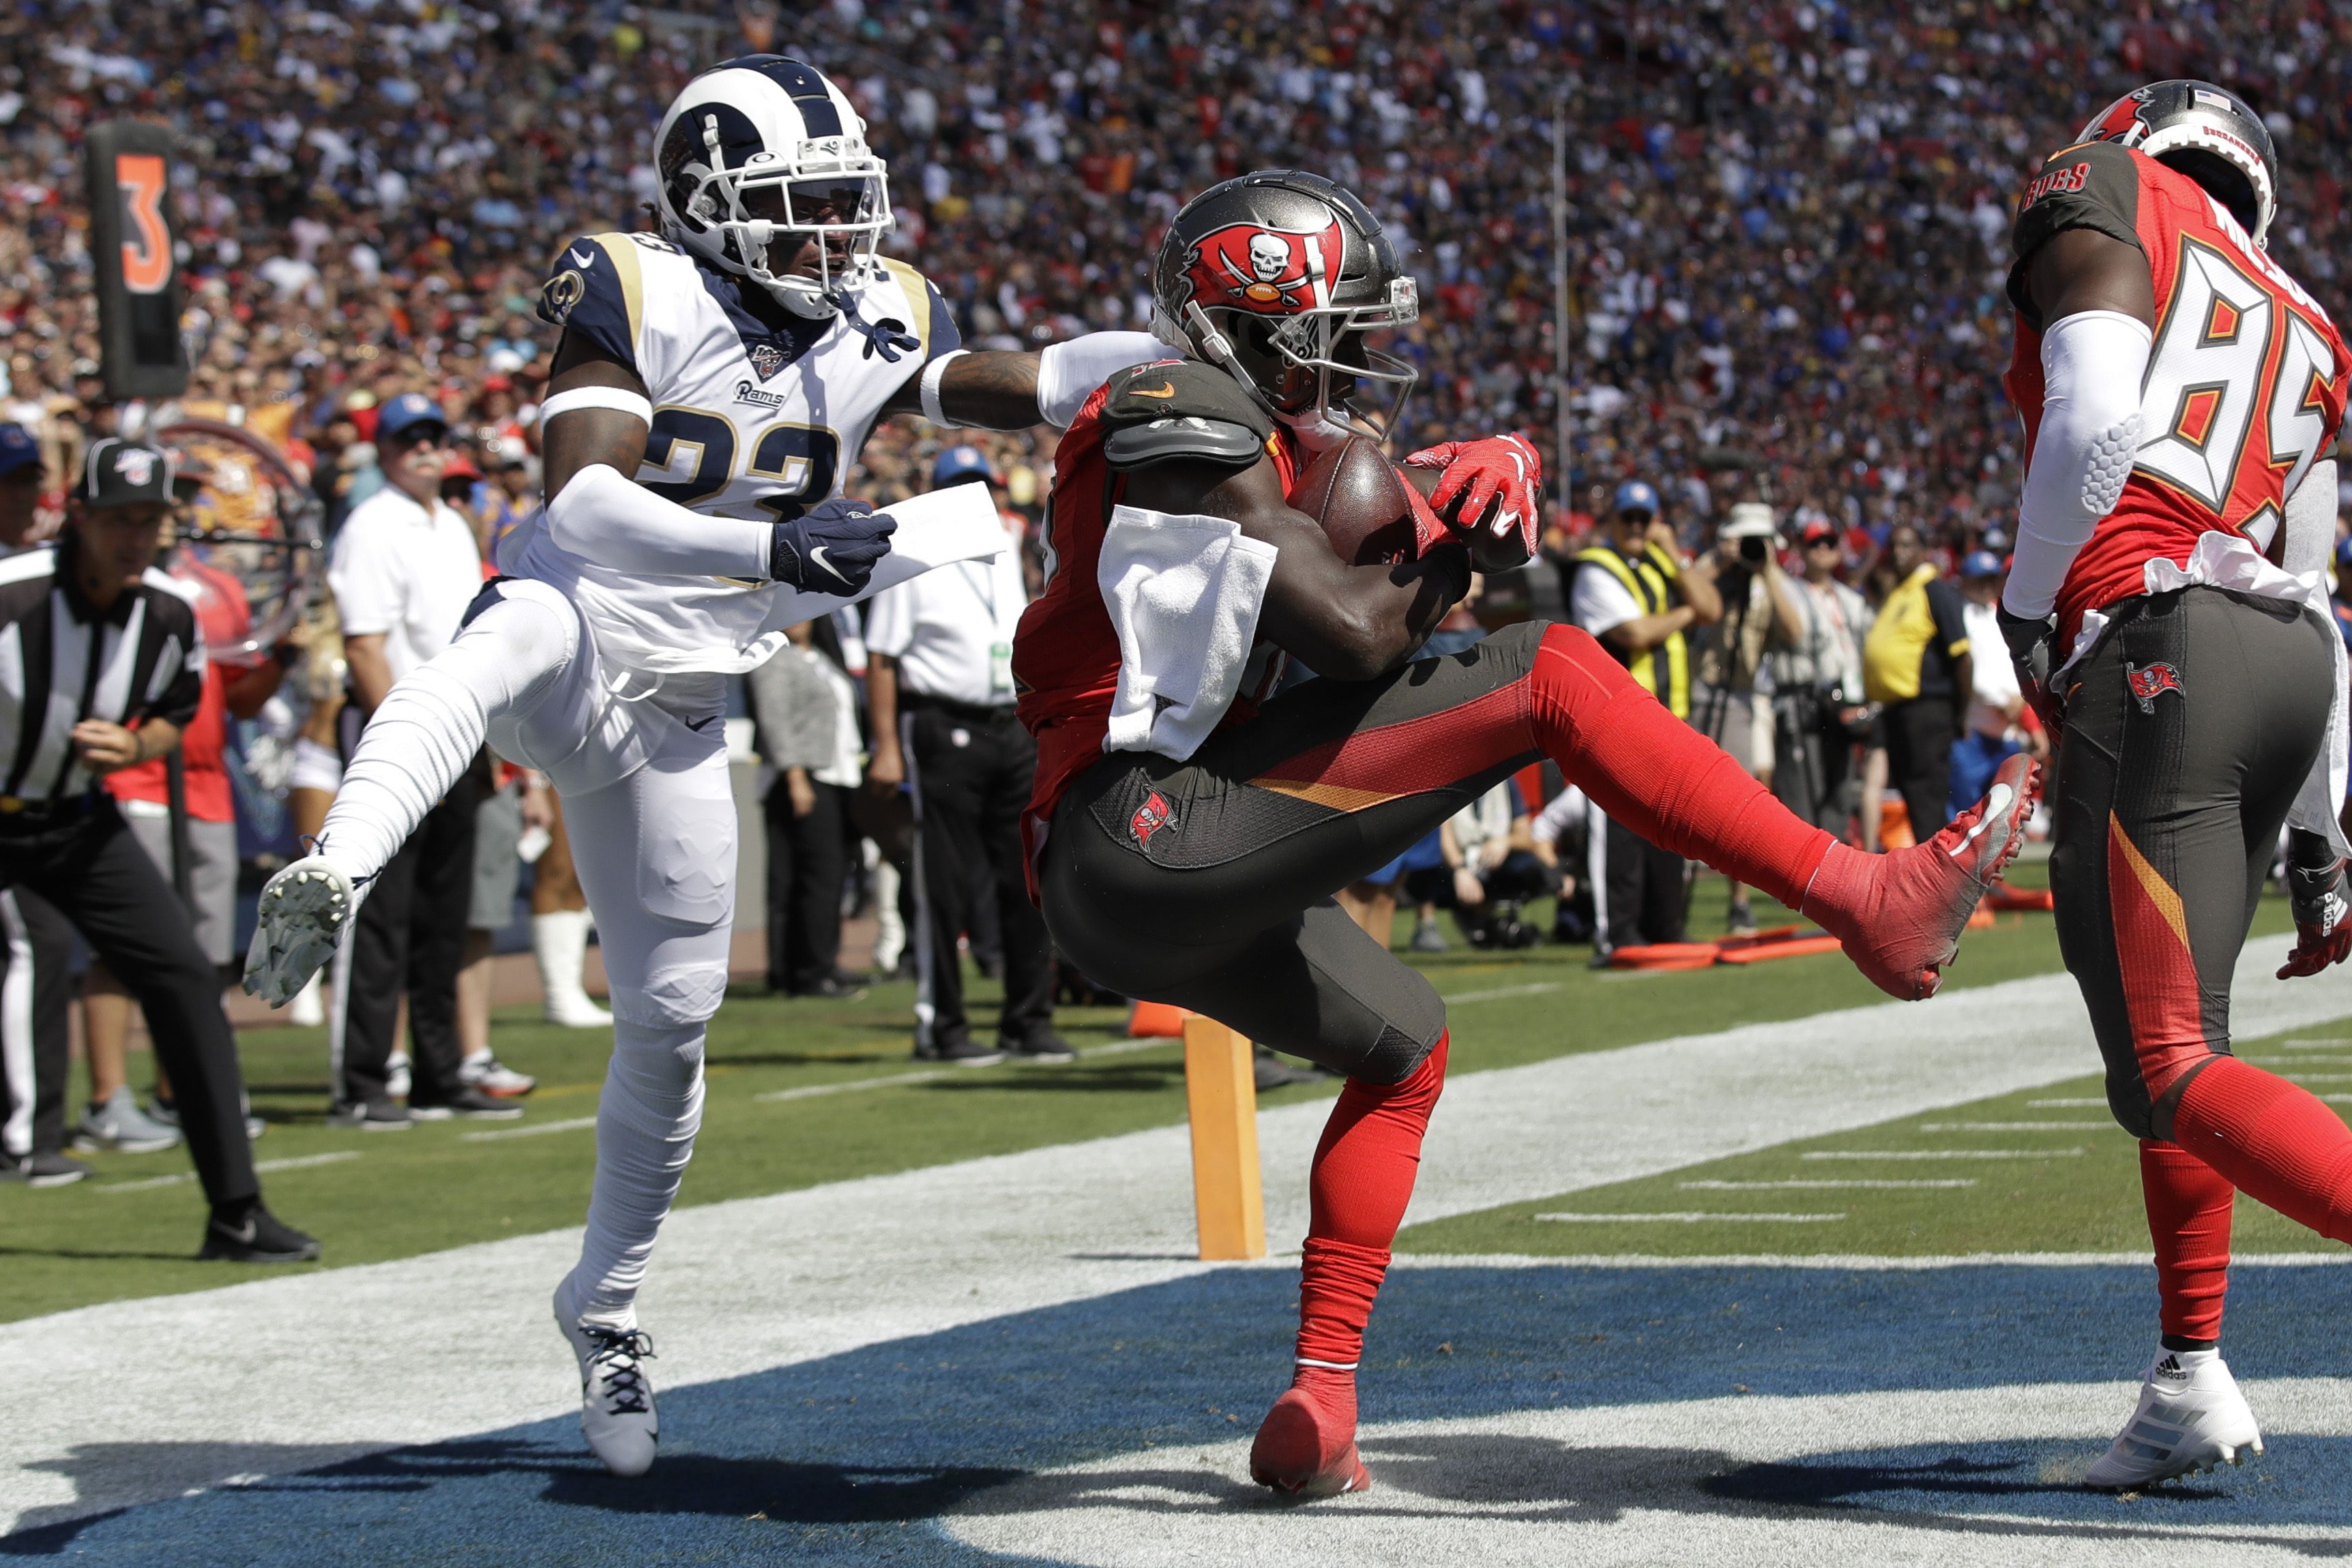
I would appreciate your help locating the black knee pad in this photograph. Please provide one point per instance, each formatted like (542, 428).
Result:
(2128, 1099)
(1396, 1056)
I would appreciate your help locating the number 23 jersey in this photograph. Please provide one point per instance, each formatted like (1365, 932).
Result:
(749, 421)
(2246, 380)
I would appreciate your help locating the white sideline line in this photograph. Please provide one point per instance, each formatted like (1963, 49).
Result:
(1499, 992)
(2319, 1077)
(884, 1080)
(2014, 1126)
(293, 1163)
(569, 1124)
(2076, 1104)
(1694, 1217)
(1938, 1154)
(2318, 1043)
(1800, 1183)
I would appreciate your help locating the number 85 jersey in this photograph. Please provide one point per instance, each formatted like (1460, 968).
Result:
(2246, 379)
(749, 421)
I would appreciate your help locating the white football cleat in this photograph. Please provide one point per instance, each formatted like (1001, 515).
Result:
(616, 1399)
(2190, 1418)
(303, 910)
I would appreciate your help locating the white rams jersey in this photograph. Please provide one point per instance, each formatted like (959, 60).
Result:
(749, 421)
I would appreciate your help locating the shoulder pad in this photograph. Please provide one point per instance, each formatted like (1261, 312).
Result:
(1183, 435)
(2094, 185)
(595, 287)
(1172, 389)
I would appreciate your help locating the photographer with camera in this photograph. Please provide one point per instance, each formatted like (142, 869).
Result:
(1489, 870)
(1760, 618)
(1819, 688)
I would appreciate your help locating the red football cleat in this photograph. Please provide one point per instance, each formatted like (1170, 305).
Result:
(1899, 916)
(1307, 1444)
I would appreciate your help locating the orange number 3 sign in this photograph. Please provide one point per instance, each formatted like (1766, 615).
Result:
(147, 248)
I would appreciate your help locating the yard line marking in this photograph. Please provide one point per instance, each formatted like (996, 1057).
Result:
(2014, 1126)
(1938, 1154)
(572, 1125)
(1844, 1262)
(1695, 1218)
(2319, 1077)
(1498, 993)
(1801, 1183)
(884, 1080)
(2066, 1104)
(2318, 1043)
(295, 1163)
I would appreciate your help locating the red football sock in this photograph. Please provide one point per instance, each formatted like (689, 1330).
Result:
(2277, 1143)
(1657, 775)
(1362, 1178)
(2188, 1205)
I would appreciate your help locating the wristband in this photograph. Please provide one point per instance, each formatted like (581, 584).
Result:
(618, 399)
(932, 373)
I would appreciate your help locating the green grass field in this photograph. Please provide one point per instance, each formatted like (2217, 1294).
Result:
(792, 1103)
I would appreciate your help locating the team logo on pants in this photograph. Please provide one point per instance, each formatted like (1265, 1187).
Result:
(1150, 818)
(2151, 681)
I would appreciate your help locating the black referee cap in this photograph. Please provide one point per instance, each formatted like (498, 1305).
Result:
(119, 473)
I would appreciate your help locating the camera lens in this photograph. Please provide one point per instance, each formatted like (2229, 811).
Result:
(1752, 549)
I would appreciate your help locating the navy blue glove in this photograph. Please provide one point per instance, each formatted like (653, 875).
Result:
(831, 548)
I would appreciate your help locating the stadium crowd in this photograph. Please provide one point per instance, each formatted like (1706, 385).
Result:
(1786, 224)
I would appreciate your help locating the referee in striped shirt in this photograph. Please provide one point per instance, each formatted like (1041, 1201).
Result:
(101, 665)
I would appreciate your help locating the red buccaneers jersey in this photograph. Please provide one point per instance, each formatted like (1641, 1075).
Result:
(1066, 652)
(2245, 385)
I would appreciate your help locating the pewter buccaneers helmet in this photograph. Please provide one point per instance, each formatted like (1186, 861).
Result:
(763, 148)
(2210, 134)
(1277, 276)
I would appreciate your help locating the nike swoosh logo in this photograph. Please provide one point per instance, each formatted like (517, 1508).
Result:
(1995, 804)
(1164, 389)
(580, 258)
(706, 724)
(242, 1238)
(816, 556)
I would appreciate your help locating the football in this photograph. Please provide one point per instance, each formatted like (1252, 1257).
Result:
(1358, 495)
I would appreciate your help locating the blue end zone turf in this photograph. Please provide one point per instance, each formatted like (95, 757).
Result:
(849, 1458)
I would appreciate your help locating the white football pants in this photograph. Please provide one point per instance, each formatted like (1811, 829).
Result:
(640, 764)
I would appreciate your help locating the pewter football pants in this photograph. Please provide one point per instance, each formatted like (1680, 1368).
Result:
(643, 775)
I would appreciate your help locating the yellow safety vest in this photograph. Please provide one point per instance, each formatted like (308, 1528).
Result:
(1664, 671)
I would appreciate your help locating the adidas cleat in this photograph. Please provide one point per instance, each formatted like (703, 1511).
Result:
(1303, 1451)
(617, 1400)
(1899, 915)
(302, 912)
(2190, 1419)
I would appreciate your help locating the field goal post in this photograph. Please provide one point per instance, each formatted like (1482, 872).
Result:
(1221, 1093)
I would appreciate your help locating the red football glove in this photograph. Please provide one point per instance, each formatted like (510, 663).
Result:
(1501, 468)
(2318, 896)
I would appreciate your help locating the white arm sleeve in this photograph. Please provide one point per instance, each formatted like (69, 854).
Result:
(1069, 373)
(603, 517)
(2311, 521)
(2091, 363)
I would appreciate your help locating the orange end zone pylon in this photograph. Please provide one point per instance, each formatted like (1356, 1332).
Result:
(1156, 1021)
(1221, 1093)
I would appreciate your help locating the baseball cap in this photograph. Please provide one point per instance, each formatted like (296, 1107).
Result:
(18, 448)
(959, 464)
(406, 411)
(1750, 520)
(1981, 563)
(1635, 495)
(118, 473)
(1818, 530)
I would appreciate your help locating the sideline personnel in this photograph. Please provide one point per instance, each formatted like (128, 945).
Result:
(1916, 662)
(95, 601)
(1636, 596)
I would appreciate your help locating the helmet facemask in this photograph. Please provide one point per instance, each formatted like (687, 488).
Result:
(1321, 370)
(768, 212)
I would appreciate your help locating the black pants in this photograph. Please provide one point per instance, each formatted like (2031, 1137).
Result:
(807, 858)
(972, 770)
(1643, 893)
(411, 936)
(2188, 731)
(1208, 882)
(1919, 735)
(35, 1035)
(96, 875)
